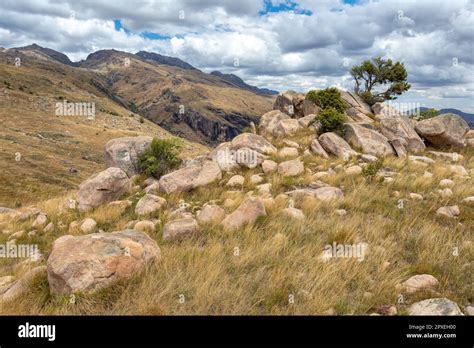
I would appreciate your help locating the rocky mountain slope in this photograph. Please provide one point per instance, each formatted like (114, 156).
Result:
(237, 81)
(284, 219)
(43, 154)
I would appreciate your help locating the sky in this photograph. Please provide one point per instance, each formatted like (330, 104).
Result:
(278, 44)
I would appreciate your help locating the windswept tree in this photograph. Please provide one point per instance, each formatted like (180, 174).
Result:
(378, 79)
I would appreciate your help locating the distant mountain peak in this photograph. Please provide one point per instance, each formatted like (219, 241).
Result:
(160, 59)
(55, 55)
(237, 81)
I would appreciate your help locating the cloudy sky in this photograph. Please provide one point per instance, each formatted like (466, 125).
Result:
(269, 43)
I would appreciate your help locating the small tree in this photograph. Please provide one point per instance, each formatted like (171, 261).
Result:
(327, 98)
(378, 79)
(160, 157)
(331, 120)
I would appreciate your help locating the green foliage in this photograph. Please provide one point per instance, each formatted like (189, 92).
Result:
(429, 113)
(332, 120)
(389, 77)
(160, 157)
(142, 120)
(327, 98)
(371, 170)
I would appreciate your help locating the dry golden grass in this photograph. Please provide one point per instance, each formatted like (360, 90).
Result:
(273, 267)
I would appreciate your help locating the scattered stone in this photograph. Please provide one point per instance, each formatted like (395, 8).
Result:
(88, 226)
(210, 213)
(21, 286)
(427, 175)
(325, 194)
(180, 229)
(253, 142)
(468, 200)
(40, 221)
(445, 193)
(418, 282)
(449, 211)
(264, 189)
(153, 188)
(49, 228)
(293, 213)
(457, 170)
(247, 213)
(291, 168)
(149, 204)
(291, 143)
(236, 180)
(256, 179)
(146, 226)
(269, 166)
(102, 187)
(353, 170)
(368, 158)
(269, 120)
(288, 152)
(446, 183)
(91, 262)
(423, 159)
(451, 156)
(434, 306)
(341, 212)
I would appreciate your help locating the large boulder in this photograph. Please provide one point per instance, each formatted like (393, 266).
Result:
(357, 116)
(317, 149)
(190, 177)
(210, 213)
(103, 187)
(91, 262)
(286, 127)
(254, 142)
(247, 213)
(356, 102)
(149, 204)
(324, 194)
(123, 152)
(444, 130)
(368, 140)
(435, 306)
(269, 121)
(291, 168)
(396, 128)
(335, 145)
(284, 102)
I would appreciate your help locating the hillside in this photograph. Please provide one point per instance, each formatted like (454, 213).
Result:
(237, 81)
(376, 220)
(57, 152)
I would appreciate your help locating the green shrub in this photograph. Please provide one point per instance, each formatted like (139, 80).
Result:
(327, 98)
(371, 170)
(160, 158)
(142, 120)
(428, 113)
(331, 120)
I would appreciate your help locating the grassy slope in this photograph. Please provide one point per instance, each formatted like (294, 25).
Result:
(279, 258)
(51, 144)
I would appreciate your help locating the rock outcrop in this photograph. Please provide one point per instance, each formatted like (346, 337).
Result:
(368, 140)
(123, 152)
(444, 130)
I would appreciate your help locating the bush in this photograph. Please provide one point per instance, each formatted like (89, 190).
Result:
(327, 98)
(332, 120)
(371, 170)
(428, 113)
(160, 158)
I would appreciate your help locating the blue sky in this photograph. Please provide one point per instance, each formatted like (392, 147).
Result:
(300, 45)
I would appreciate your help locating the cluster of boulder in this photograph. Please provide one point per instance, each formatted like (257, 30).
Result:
(96, 259)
